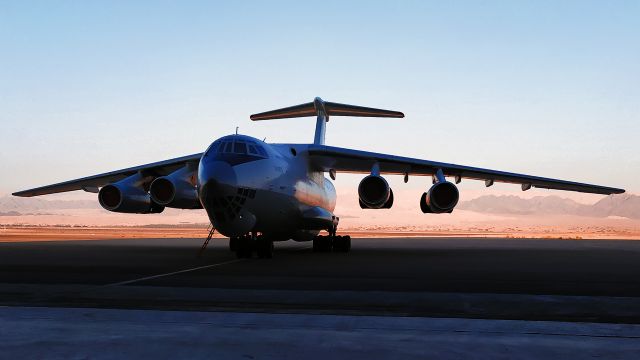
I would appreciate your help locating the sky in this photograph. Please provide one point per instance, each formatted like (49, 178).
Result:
(539, 87)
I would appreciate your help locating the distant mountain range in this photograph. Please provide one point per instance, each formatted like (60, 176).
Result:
(14, 206)
(625, 205)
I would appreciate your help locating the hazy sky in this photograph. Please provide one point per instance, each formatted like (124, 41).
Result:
(545, 88)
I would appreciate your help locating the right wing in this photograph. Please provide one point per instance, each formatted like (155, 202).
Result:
(91, 183)
(327, 158)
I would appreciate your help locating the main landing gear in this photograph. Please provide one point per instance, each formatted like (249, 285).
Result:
(335, 243)
(244, 246)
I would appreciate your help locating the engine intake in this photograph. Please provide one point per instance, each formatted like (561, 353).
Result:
(375, 193)
(441, 198)
(176, 190)
(128, 196)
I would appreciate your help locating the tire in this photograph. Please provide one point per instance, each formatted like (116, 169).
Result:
(335, 244)
(268, 251)
(264, 248)
(233, 244)
(342, 243)
(347, 243)
(317, 243)
(327, 244)
(244, 247)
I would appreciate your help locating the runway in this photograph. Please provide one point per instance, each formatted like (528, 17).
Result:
(68, 333)
(533, 279)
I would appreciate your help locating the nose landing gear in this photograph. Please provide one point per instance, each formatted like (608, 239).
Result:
(244, 246)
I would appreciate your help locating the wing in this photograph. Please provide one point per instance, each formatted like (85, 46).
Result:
(347, 160)
(91, 183)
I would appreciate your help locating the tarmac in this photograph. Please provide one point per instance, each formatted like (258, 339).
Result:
(394, 282)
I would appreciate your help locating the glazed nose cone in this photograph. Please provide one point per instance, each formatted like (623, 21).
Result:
(215, 177)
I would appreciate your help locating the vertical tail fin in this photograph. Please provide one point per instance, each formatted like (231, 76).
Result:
(324, 109)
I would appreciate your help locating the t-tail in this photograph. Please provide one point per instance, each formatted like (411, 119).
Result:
(323, 110)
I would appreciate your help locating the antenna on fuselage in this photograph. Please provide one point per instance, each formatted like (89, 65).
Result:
(237, 127)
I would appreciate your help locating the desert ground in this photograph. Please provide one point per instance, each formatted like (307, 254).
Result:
(21, 233)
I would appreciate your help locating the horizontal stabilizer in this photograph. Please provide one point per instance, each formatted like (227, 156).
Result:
(301, 110)
(319, 107)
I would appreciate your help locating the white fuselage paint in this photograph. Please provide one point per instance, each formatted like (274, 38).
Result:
(269, 194)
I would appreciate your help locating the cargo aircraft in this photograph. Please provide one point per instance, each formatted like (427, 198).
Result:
(256, 193)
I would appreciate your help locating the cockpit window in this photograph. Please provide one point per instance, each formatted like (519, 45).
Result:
(252, 150)
(212, 149)
(261, 151)
(227, 147)
(240, 148)
(223, 148)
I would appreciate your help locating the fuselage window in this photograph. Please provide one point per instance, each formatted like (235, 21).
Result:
(240, 148)
(228, 147)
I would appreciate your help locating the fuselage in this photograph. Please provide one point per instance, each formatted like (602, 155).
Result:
(247, 185)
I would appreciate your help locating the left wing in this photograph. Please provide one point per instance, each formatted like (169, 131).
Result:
(91, 183)
(328, 158)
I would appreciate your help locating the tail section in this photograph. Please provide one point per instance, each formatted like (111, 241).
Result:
(324, 109)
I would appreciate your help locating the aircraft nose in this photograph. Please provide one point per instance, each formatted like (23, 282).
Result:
(219, 194)
(216, 177)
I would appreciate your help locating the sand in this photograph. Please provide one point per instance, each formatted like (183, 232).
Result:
(70, 233)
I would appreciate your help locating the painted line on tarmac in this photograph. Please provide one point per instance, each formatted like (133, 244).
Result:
(127, 282)
(173, 273)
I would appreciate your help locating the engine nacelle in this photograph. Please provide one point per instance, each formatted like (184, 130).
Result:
(176, 190)
(128, 196)
(374, 192)
(441, 198)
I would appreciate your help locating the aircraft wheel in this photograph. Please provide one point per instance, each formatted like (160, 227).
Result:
(342, 243)
(347, 244)
(244, 247)
(317, 243)
(334, 244)
(264, 247)
(337, 243)
(233, 243)
(322, 243)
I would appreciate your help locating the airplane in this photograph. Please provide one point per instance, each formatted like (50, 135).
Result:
(257, 193)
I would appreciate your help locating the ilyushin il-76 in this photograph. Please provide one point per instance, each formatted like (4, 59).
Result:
(257, 193)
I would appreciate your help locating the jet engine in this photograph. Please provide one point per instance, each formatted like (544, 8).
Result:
(176, 190)
(128, 196)
(375, 193)
(441, 198)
